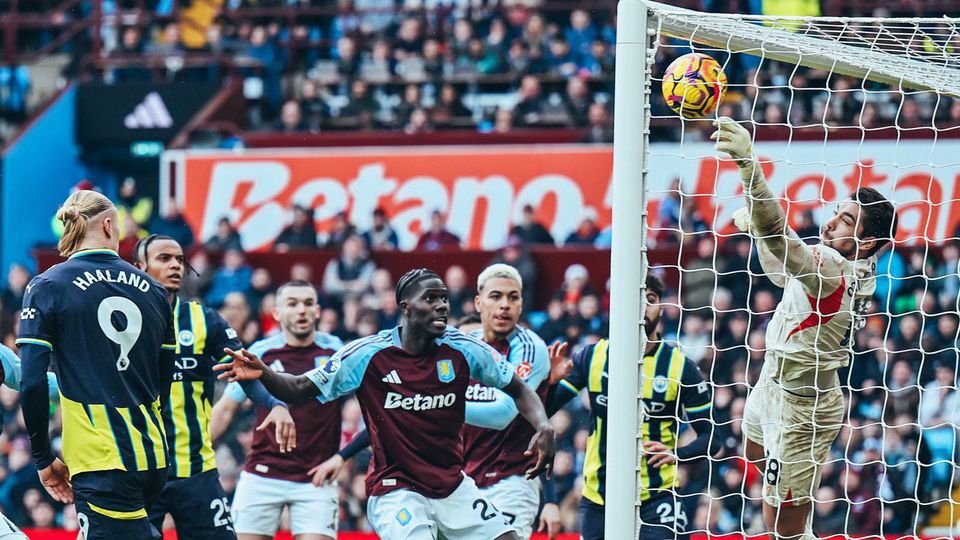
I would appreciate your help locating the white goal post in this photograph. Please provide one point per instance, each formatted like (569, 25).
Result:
(908, 54)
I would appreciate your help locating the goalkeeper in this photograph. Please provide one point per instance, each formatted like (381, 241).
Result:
(794, 413)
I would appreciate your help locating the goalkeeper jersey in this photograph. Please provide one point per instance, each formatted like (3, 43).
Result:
(105, 323)
(825, 297)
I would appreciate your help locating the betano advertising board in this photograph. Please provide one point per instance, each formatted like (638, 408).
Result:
(482, 190)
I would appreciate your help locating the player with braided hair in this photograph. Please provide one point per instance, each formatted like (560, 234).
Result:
(411, 382)
(193, 495)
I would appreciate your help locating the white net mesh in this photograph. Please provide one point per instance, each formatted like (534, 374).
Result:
(834, 105)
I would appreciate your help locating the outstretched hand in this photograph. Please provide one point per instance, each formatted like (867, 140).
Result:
(733, 139)
(244, 367)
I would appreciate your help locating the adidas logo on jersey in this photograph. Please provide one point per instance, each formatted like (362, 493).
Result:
(419, 402)
(151, 113)
(393, 378)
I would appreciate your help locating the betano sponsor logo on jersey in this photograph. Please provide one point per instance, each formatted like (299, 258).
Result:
(419, 402)
(480, 392)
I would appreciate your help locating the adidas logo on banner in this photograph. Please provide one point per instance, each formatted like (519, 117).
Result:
(151, 113)
(392, 378)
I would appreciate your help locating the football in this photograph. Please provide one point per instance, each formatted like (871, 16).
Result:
(693, 85)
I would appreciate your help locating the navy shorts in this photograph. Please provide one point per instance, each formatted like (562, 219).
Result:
(112, 504)
(198, 506)
(662, 517)
(591, 520)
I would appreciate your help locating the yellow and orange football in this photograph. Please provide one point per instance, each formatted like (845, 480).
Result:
(693, 85)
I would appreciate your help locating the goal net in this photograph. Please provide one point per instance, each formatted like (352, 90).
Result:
(833, 104)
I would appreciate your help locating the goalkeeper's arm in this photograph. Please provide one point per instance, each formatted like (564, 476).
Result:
(764, 219)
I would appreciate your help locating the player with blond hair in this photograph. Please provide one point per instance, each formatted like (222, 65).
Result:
(108, 329)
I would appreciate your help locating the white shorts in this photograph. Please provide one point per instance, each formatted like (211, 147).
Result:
(464, 515)
(796, 434)
(518, 499)
(259, 501)
(9, 531)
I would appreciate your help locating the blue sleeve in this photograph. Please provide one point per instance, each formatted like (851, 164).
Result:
(342, 373)
(697, 401)
(259, 395)
(529, 359)
(486, 364)
(361, 441)
(235, 392)
(11, 367)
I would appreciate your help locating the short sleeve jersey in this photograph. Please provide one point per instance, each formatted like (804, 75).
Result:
(413, 405)
(105, 322)
(318, 424)
(491, 455)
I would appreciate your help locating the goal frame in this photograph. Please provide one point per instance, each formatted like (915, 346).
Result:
(639, 21)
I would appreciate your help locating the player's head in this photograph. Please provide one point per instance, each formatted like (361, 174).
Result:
(655, 290)
(499, 299)
(862, 225)
(423, 300)
(297, 309)
(87, 216)
(162, 258)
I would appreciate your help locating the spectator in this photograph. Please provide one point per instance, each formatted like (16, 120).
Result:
(600, 128)
(514, 254)
(600, 62)
(11, 299)
(530, 105)
(291, 119)
(233, 276)
(313, 109)
(580, 34)
(411, 102)
(503, 121)
(300, 234)
(261, 285)
(940, 400)
(438, 238)
(576, 283)
(225, 238)
(830, 512)
(172, 224)
(348, 62)
(361, 106)
(460, 294)
(348, 276)
(577, 102)
(450, 110)
(434, 64)
(381, 236)
(138, 207)
(419, 122)
(531, 231)
(563, 61)
(586, 233)
(340, 230)
(236, 311)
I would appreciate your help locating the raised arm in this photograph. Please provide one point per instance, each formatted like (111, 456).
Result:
(246, 366)
(765, 220)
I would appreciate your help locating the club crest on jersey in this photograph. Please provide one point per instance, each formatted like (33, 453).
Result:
(445, 370)
(403, 516)
(660, 384)
(524, 370)
(185, 337)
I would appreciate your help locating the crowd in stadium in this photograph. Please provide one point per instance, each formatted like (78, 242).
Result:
(490, 66)
(902, 377)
